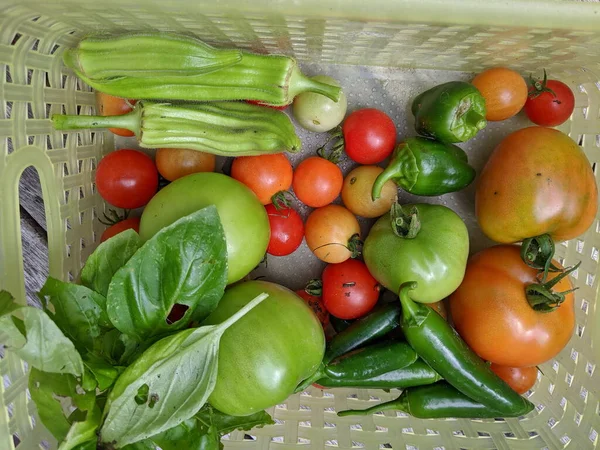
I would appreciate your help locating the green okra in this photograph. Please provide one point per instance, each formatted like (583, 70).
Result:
(162, 66)
(220, 128)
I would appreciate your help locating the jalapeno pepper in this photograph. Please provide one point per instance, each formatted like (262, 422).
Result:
(439, 345)
(451, 112)
(371, 361)
(416, 374)
(435, 401)
(425, 166)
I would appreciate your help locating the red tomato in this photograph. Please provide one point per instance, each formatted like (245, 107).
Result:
(259, 103)
(127, 178)
(287, 230)
(550, 102)
(317, 181)
(114, 106)
(265, 175)
(131, 223)
(520, 379)
(369, 136)
(316, 304)
(349, 289)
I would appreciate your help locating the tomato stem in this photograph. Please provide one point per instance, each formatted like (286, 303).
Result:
(542, 298)
(405, 224)
(355, 245)
(537, 252)
(280, 200)
(540, 86)
(314, 287)
(112, 217)
(336, 150)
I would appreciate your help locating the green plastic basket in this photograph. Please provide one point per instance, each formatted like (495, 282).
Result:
(394, 35)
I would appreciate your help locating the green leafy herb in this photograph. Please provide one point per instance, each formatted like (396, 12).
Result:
(107, 259)
(83, 432)
(78, 311)
(184, 263)
(104, 373)
(180, 372)
(36, 339)
(226, 424)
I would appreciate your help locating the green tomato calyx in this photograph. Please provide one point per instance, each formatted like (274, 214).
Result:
(542, 298)
(405, 223)
(537, 252)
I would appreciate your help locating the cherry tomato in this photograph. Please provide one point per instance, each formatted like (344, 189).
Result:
(114, 106)
(349, 290)
(537, 181)
(127, 178)
(356, 192)
(332, 233)
(174, 163)
(369, 136)
(317, 182)
(520, 379)
(287, 230)
(259, 103)
(265, 175)
(492, 313)
(317, 305)
(504, 90)
(131, 223)
(550, 102)
(317, 113)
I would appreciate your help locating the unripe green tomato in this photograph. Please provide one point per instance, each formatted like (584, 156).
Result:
(268, 352)
(315, 112)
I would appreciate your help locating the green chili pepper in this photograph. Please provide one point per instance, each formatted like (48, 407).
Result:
(435, 401)
(164, 66)
(366, 329)
(340, 325)
(371, 361)
(416, 374)
(425, 166)
(439, 345)
(221, 128)
(451, 112)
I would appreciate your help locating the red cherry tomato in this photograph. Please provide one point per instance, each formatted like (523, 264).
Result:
(316, 304)
(317, 182)
(520, 379)
(287, 230)
(550, 102)
(349, 289)
(131, 223)
(114, 106)
(369, 136)
(127, 179)
(259, 103)
(265, 175)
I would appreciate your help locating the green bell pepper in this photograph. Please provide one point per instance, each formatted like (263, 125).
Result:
(424, 166)
(451, 112)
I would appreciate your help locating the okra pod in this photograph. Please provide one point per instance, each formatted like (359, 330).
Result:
(439, 345)
(221, 128)
(435, 401)
(162, 66)
(368, 362)
(416, 374)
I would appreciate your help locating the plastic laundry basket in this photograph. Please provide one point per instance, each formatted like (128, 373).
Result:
(563, 37)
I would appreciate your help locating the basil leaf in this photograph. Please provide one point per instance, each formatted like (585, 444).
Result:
(167, 384)
(107, 259)
(183, 263)
(7, 303)
(225, 423)
(36, 339)
(187, 435)
(83, 432)
(46, 389)
(144, 445)
(104, 373)
(79, 312)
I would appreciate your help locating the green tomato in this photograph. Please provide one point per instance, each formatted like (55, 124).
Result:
(436, 258)
(244, 218)
(315, 112)
(268, 352)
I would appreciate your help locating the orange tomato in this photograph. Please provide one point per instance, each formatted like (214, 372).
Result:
(174, 163)
(440, 308)
(317, 181)
(520, 379)
(109, 105)
(356, 192)
(504, 90)
(536, 181)
(265, 175)
(491, 312)
(329, 232)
